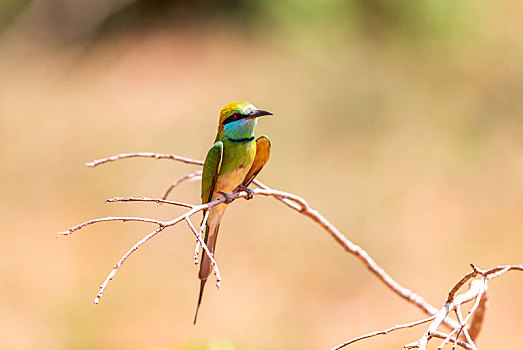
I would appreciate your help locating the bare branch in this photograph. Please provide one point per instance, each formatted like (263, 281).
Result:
(110, 218)
(144, 155)
(122, 260)
(383, 332)
(442, 314)
(499, 270)
(460, 284)
(195, 175)
(458, 330)
(207, 251)
(447, 339)
(481, 285)
(145, 199)
(441, 335)
(162, 225)
(289, 203)
(476, 291)
(202, 228)
(299, 204)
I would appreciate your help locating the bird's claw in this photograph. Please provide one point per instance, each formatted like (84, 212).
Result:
(250, 193)
(227, 196)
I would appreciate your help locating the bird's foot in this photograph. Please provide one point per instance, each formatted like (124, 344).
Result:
(250, 193)
(227, 196)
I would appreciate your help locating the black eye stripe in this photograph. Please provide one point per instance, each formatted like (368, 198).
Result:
(232, 118)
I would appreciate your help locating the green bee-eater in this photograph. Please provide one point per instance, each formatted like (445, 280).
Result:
(232, 162)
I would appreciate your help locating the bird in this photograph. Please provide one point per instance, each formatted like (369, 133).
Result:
(231, 164)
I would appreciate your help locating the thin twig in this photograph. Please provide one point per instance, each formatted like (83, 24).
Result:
(447, 339)
(482, 287)
(145, 199)
(144, 155)
(461, 327)
(122, 260)
(441, 335)
(463, 324)
(499, 270)
(460, 284)
(207, 251)
(382, 332)
(202, 228)
(194, 176)
(110, 218)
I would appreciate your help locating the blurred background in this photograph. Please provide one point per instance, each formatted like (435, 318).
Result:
(400, 121)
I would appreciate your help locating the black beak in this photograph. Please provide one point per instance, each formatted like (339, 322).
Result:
(258, 113)
(254, 114)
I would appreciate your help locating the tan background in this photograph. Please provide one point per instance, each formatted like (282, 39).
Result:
(406, 134)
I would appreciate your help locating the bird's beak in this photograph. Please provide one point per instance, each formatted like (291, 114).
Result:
(258, 113)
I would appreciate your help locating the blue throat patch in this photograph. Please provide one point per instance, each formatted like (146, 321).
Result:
(240, 131)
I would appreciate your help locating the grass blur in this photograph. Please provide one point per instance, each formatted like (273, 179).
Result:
(402, 123)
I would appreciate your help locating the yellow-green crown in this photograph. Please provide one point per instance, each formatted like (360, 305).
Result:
(241, 107)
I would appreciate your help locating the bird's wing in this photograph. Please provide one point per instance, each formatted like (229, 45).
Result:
(211, 168)
(263, 153)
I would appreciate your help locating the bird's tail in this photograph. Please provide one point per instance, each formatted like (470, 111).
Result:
(205, 265)
(210, 241)
(202, 285)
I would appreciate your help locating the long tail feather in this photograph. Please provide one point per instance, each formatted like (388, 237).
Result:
(210, 240)
(205, 264)
(202, 286)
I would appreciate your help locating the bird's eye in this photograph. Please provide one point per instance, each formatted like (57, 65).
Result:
(233, 117)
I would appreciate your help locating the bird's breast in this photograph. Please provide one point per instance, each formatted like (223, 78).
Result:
(237, 160)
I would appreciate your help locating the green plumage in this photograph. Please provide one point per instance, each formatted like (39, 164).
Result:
(234, 160)
(211, 167)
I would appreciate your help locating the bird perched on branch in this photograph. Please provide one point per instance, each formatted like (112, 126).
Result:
(231, 164)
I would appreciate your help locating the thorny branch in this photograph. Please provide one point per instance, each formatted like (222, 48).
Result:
(476, 291)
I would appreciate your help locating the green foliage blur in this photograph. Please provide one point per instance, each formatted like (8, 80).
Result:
(70, 21)
(400, 121)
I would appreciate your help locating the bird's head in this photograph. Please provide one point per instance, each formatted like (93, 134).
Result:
(236, 111)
